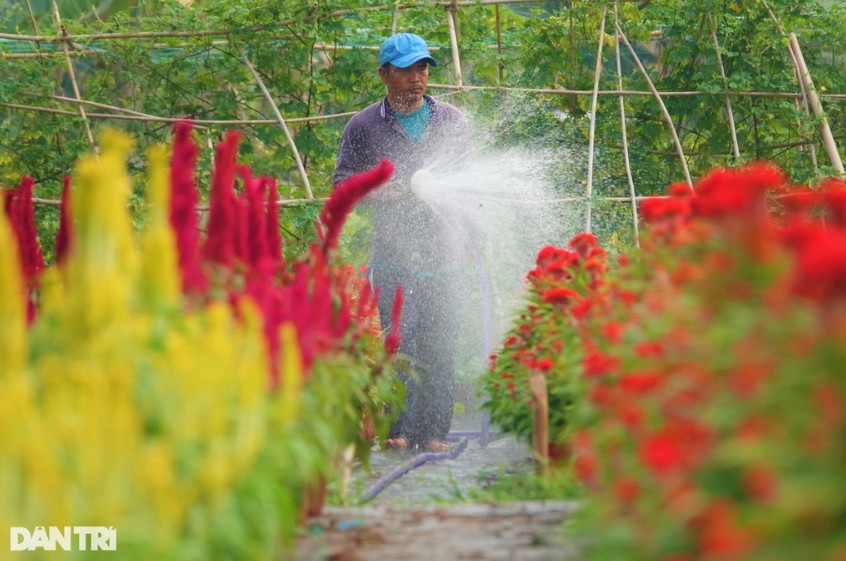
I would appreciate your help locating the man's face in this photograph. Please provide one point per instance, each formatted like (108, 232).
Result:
(406, 86)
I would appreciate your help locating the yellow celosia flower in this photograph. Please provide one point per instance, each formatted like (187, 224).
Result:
(12, 307)
(159, 274)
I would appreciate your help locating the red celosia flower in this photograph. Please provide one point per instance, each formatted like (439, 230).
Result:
(581, 310)
(753, 428)
(550, 254)
(512, 389)
(737, 192)
(613, 331)
(760, 482)
(582, 243)
(64, 235)
(511, 341)
(653, 349)
(834, 197)
(821, 265)
(585, 463)
(600, 394)
(626, 489)
(680, 445)
(628, 412)
(557, 271)
(344, 198)
(560, 296)
(719, 534)
(640, 382)
(599, 364)
(661, 453)
(746, 378)
(545, 364)
(670, 212)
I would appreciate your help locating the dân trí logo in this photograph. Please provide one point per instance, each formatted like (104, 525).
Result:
(67, 538)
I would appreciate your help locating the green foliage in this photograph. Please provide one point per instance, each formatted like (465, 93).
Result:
(319, 60)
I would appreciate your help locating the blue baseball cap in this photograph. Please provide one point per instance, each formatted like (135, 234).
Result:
(404, 49)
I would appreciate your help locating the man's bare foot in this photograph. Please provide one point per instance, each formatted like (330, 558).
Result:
(398, 443)
(435, 445)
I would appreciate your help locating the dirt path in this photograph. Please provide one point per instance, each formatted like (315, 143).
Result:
(408, 520)
(528, 531)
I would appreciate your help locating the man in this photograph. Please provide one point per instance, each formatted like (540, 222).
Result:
(413, 245)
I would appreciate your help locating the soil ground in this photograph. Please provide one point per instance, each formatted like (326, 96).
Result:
(409, 519)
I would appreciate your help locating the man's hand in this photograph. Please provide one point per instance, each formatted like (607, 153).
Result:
(394, 189)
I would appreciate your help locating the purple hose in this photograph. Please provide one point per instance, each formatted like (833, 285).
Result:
(415, 462)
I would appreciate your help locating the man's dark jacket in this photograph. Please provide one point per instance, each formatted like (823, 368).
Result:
(407, 232)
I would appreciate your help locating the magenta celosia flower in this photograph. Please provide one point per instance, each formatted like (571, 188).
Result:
(18, 206)
(271, 222)
(394, 338)
(64, 235)
(219, 246)
(183, 208)
(21, 214)
(241, 239)
(256, 229)
(344, 198)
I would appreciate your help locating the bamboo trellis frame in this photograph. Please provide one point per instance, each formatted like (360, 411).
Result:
(71, 46)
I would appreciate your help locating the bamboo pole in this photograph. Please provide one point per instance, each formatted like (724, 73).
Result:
(281, 121)
(395, 17)
(825, 130)
(805, 108)
(73, 81)
(624, 135)
(499, 50)
(660, 102)
(735, 145)
(452, 16)
(805, 105)
(597, 72)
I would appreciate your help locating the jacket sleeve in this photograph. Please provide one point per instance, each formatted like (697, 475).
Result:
(354, 153)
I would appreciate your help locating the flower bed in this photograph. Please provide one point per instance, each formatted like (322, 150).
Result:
(699, 382)
(181, 388)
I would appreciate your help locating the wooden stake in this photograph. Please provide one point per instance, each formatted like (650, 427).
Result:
(540, 406)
